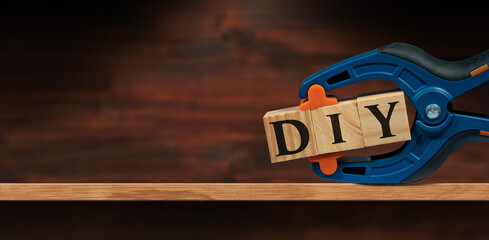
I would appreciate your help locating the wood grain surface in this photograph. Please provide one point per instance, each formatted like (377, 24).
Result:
(175, 91)
(243, 192)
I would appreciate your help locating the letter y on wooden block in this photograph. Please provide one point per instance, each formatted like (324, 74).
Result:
(384, 118)
(289, 134)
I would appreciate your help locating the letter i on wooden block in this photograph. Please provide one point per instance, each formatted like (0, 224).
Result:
(337, 127)
(289, 134)
(383, 118)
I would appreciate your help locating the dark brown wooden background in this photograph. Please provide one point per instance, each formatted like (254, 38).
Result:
(174, 91)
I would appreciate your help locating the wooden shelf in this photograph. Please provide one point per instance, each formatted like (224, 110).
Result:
(243, 191)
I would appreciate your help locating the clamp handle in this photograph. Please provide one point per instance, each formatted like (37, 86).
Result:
(448, 70)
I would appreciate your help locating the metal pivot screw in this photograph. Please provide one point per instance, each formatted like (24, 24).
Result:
(433, 111)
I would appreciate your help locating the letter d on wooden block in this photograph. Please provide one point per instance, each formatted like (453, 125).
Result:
(289, 134)
(384, 118)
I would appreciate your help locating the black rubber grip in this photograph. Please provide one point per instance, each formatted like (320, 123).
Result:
(449, 70)
(451, 145)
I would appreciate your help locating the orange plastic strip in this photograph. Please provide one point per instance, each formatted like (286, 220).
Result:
(484, 133)
(317, 98)
(479, 70)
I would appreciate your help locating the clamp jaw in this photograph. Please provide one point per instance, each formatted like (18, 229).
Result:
(431, 84)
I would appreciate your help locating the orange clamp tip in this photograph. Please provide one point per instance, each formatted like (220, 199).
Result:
(316, 98)
(327, 162)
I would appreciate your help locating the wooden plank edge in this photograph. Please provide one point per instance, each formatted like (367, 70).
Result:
(242, 192)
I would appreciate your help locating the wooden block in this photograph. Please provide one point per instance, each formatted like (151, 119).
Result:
(337, 127)
(289, 134)
(383, 118)
(351, 124)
